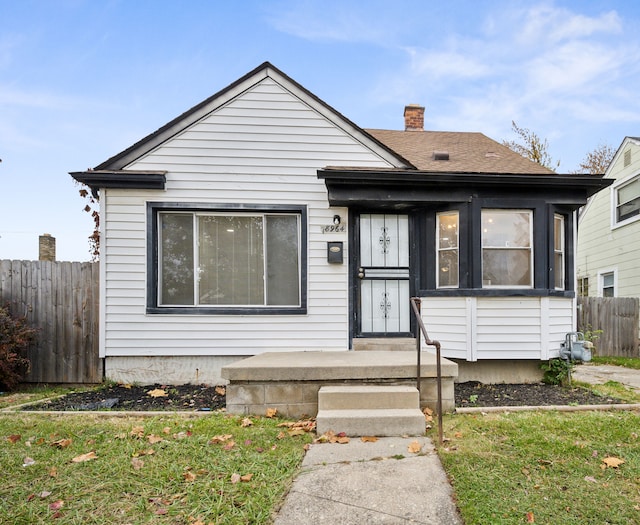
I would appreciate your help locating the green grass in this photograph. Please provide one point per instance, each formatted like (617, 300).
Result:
(31, 393)
(182, 479)
(548, 464)
(628, 362)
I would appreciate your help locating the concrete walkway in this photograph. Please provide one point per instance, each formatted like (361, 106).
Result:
(600, 374)
(371, 483)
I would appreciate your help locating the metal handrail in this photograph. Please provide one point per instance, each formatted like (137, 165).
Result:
(416, 303)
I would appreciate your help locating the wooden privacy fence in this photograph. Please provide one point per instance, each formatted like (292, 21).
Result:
(60, 299)
(617, 317)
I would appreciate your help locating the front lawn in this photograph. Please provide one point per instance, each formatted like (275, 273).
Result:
(84, 469)
(545, 467)
(628, 362)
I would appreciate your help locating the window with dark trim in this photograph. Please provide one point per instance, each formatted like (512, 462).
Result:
(447, 261)
(229, 259)
(507, 248)
(558, 251)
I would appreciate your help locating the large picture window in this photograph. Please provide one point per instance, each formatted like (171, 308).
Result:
(448, 249)
(507, 253)
(239, 261)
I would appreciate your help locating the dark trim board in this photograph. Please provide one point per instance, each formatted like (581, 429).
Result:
(152, 259)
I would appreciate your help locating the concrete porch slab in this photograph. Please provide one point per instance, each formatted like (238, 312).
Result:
(320, 366)
(290, 381)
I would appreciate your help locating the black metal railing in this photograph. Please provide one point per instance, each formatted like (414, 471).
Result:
(420, 328)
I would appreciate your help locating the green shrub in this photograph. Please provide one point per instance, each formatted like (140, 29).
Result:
(556, 371)
(15, 337)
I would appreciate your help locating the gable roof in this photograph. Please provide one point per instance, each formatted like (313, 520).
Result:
(191, 116)
(467, 152)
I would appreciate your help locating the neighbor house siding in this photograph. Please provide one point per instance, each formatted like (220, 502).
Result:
(479, 328)
(262, 147)
(602, 247)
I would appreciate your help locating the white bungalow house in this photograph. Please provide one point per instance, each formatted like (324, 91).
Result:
(263, 220)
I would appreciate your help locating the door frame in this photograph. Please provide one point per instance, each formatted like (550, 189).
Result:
(355, 331)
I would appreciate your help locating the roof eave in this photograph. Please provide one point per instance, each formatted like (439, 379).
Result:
(124, 179)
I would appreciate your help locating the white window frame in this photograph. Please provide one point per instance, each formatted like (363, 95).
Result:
(614, 202)
(440, 250)
(601, 275)
(530, 248)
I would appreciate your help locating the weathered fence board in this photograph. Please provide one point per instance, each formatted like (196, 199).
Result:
(617, 317)
(60, 299)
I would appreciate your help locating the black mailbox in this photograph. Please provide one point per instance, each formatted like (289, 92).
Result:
(334, 252)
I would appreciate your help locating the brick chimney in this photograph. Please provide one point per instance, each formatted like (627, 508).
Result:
(414, 117)
(47, 247)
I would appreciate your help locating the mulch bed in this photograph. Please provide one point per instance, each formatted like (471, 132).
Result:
(474, 394)
(207, 398)
(143, 398)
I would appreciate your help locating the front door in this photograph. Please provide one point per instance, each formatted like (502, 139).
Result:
(382, 291)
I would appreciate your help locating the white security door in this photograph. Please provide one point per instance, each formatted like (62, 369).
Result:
(383, 274)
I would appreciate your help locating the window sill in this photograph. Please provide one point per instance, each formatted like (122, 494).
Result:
(243, 310)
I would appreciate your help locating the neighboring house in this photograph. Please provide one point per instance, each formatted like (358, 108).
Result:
(264, 220)
(608, 254)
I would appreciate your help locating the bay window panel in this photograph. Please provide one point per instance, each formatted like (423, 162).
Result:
(448, 254)
(176, 259)
(506, 248)
(282, 260)
(558, 249)
(230, 252)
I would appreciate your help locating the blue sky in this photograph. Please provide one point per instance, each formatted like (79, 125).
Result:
(81, 80)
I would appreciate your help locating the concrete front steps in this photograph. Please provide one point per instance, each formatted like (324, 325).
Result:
(370, 410)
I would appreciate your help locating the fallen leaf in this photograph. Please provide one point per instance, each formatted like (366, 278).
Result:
(31, 497)
(137, 463)
(62, 443)
(44, 494)
(158, 392)
(246, 478)
(53, 472)
(137, 432)
(246, 422)
(182, 435)
(530, 517)
(229, 445)
(14, 438)
(613, 462)
(85, 457)
(457, 435)
(235, 478)
(271, 412)
(368, 439)
(28, 462)
(591, 479)
(220, 438)
(414, 447)
(166, 430)
(343, 440)
(56, 505)
(154, 439)
(161, 511)
(296, 432)
(189, 476)
(281, 435)
(220, 390)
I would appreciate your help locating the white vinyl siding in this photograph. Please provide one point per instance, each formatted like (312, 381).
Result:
(477, 328)
(263, 147)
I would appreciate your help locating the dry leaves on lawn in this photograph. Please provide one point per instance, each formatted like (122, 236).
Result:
(612, 462)
(85, 457)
